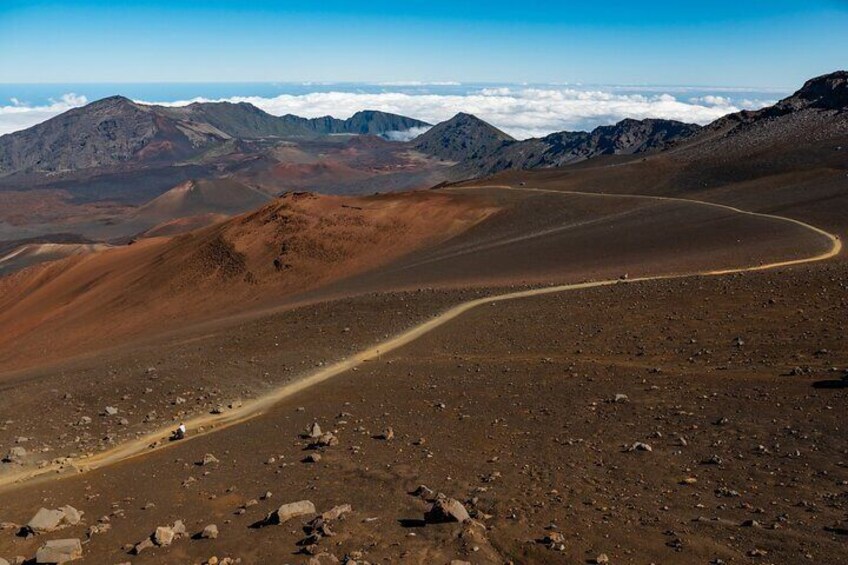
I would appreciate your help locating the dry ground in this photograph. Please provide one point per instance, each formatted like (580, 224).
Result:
(735, 382)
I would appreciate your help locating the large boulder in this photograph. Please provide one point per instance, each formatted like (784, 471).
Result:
(446, 510)
(46, 520)
(59, 551)
(291, 510)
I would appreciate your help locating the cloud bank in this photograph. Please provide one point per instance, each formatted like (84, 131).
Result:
(522, 112)
(19, 115)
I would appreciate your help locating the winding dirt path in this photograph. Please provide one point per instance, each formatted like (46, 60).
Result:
(251, 409)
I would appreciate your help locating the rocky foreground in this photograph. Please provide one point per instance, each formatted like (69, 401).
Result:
(705, 429)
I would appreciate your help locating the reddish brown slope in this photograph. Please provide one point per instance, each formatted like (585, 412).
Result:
(293, 244)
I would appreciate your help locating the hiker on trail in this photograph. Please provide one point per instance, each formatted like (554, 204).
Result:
(180, 432)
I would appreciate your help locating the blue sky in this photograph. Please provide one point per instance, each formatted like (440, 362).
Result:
(732, 43)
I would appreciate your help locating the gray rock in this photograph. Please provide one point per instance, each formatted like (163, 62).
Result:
(59, 551)
(110, 411)
(210, 532)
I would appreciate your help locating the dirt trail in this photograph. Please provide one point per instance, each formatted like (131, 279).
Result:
(251, 409)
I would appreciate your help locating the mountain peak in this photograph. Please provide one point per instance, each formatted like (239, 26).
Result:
(462, 137)
(111, 102)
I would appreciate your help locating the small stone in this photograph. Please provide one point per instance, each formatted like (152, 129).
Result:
(312, 458)
(208, 459)
(336, 512)
(639, 446)
(147, 543)
(110, 411)
(163, 536)
(314, 431)
(423, 491)
(325, 440)
(210, 532)
(602, 558)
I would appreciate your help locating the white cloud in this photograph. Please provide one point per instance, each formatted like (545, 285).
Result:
(20, 115)
(522, 112)
(711, 100)
(420, 83)
(407, 135)
(519, 110)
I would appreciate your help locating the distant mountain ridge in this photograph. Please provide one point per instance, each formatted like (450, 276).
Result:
(116, 131)
(246, 121)
(818, 110)
(481, 149)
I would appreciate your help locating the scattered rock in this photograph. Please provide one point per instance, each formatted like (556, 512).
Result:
(208, 459)
(163, 536)
(554, 541)
(639, 446)
(324, 558)
(291, 510)
(314, 431)
(423, 491)
(15, 455)
(324, 440)
(146, 543)
(336, 512)
(59, 551)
